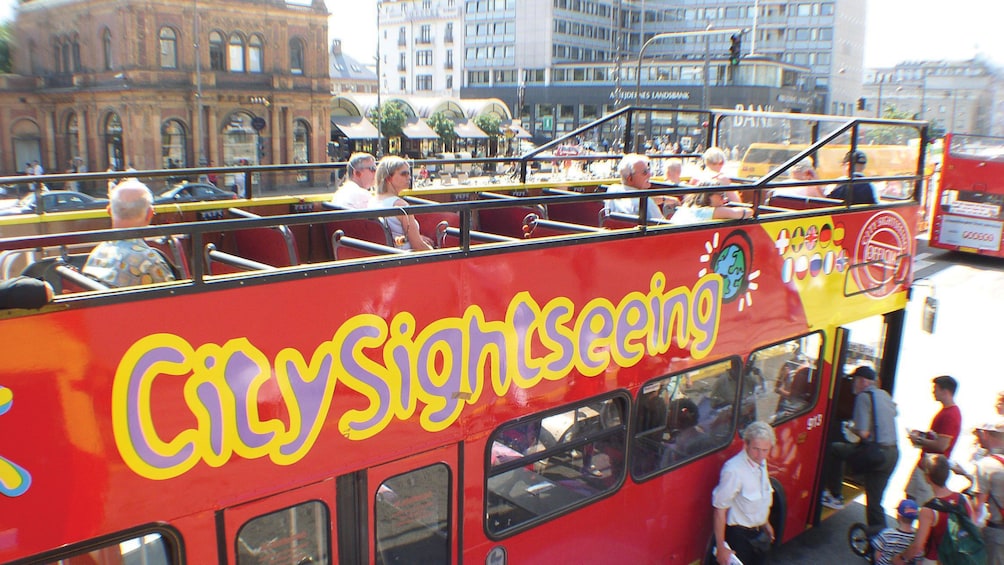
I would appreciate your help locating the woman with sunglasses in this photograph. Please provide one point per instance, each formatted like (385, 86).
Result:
(709, 205)
(393, 176)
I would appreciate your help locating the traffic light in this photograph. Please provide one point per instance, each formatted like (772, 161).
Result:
(735, 49)
(861, 103)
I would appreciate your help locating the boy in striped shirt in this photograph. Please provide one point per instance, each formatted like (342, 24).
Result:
(892, 541)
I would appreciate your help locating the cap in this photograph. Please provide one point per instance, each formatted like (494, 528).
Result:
(992, 426)
(908, 509)
(856, 156)
(865, 372)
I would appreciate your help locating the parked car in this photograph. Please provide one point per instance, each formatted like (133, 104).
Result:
(193, 192)
(56, 201)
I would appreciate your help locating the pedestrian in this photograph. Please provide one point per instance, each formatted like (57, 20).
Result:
(741, 502)
(944, 432)
(892, 541)
(989, 486)
(874, 421)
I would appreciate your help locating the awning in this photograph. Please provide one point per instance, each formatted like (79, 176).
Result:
(416, 128)
(468, 130)
(355, 127)
(520, 132)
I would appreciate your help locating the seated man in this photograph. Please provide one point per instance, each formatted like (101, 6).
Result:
(128, 262)
(636, 174)
(357, 190)
(855, 192)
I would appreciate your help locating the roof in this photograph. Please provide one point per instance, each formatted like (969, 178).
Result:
(467, 130)
(355, 127)
(416, 128)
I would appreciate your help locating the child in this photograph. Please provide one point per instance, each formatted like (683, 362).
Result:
(892, 541)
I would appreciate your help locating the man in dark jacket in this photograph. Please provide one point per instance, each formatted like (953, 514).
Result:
(861, 192)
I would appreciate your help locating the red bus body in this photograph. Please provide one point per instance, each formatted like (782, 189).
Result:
(969, 205)
(190, 410)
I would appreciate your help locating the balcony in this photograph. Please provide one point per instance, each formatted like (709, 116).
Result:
(448, 65)
(402, 67)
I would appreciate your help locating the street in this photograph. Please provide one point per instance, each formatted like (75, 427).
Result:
(969, 291)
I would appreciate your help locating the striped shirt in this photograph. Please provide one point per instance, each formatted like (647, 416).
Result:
(889, 543)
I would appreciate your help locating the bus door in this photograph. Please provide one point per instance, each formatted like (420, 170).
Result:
(292, 527)
(414, 509)
(873, 341)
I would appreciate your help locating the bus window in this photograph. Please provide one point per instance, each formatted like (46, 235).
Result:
(297, 535)
(148, 549)
(684, 416)
(787, 375)
(412, 517)
(544, 465)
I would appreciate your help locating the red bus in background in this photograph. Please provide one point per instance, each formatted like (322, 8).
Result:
(969, 204)
(564, 396)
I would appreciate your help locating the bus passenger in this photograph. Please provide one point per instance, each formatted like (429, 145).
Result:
(703, 206)
(742, 500)
(24, 292)
(393, 176)
(803, 171)
(860, 192)
(882, 429)
(636, 174)
(714, 162)
(357, 190)
(128, 262)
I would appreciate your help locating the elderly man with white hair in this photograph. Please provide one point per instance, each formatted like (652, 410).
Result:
(128, 262)
(636, 174)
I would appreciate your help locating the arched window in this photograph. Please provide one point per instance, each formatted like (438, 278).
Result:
(65, 50)
(217, 54)
(72, 136)
(296, 56)
(113, 141)
(75, 49)
(256, 60)
(106, 43)
(27, 138)
(168, 48)
(235, 54)
(240, 148)
(301, 147)
(174, 145)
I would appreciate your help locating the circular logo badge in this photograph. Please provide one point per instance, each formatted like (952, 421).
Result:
(733, 262)
(883, 254)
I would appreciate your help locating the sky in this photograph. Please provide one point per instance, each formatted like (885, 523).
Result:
(897, 30)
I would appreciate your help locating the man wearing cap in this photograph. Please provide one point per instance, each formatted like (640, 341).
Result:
(869, 399)
(860, 192)
(945, 429)
(989, 488)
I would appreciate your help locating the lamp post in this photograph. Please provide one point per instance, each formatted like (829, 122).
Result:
(379, 110)
(198, 92)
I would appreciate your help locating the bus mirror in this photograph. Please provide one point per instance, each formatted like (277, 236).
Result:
(930, 314)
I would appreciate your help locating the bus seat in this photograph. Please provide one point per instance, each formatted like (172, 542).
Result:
(220, 262)
(347, 247)
(173, 248)
(63, 276)
(366, 229)
(537, 227)
(428, 223)
(615, 220)
(508, 220)
(449, 236)
(272, 245)
(585, 213)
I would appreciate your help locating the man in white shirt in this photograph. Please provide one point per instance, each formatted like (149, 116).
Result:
(743, 498)
(636, 174)
(355, 193)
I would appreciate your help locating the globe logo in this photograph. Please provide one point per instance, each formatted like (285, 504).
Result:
(732, 262)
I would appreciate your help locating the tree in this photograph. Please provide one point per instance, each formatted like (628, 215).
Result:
(891, 135)
(391, 117)
(6, 44)
(491, 124)
(443, 126)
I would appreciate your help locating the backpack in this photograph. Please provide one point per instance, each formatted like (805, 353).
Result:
(962, 543)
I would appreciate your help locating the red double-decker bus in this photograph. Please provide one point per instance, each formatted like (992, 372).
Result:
(969, 204)
(534, 390)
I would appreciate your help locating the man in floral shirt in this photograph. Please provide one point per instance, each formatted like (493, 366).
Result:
(128, 262)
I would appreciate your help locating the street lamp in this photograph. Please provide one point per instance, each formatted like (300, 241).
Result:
(668, 35)
(379, 110)
(198, 92)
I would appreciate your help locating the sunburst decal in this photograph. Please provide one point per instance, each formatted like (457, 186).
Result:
(732, 258)
(14, 479)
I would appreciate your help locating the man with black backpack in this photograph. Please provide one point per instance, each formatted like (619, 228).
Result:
(989, 488)
(946, 533)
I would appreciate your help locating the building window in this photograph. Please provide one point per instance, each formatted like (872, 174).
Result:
(425, 34)
(236, 53)
(403, 84)
(449, 82)
(75, 48)
(448, 34)
(174, 145)
(106, 43)
(402, 37)
(72, 136)
(402, 62)
(113, 141)
(423, 58)
(296, 56)
(423, 82)
(255, 54)
(217, 54)
(449, 60)
(168, 48)
(301, 148)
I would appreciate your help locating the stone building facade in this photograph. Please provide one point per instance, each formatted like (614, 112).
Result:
(119, 83)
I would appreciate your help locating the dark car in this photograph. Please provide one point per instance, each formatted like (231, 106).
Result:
(56, 201)
(193, 192)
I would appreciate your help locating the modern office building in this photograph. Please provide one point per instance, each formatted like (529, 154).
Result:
(955, 96)
(562, 63)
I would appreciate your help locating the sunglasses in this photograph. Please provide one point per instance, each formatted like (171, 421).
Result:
(404, 173)
(371, 169)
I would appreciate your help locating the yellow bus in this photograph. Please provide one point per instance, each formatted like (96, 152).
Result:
(883, 160)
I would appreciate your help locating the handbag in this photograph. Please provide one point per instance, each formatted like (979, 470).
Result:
(868, 455)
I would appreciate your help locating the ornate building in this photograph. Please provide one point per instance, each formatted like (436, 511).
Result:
(163, 84)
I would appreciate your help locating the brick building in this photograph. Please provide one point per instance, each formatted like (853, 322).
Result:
(118, 83)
